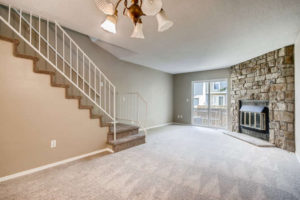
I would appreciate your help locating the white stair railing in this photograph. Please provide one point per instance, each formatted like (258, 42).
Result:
(132, 108)
(56, 47)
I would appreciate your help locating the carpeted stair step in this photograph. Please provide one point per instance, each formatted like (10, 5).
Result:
(127, 142)
(122, 130)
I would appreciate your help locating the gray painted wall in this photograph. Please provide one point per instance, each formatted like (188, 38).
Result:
(297, 95)
(183, 91)
(155, 86)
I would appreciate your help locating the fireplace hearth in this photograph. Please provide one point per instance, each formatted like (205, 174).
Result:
(254, 118)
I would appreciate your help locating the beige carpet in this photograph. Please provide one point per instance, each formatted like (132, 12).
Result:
(176, 163)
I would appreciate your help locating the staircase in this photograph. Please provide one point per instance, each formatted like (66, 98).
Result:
(127, 136)
(55, 53)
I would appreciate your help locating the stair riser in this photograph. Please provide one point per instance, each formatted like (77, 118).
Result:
(121, 147)
(110, 136)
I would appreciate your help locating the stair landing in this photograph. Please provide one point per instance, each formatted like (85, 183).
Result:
(127, 136)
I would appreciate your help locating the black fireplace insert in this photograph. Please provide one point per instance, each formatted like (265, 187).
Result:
(254, 118)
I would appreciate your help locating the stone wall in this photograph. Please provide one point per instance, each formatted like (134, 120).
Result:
(268, 77)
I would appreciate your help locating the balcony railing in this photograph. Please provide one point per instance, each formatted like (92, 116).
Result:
(213, 117)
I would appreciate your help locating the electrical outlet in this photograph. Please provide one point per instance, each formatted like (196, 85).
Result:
(101, 84)
(187, 100)
(53, 144)
(179, 116)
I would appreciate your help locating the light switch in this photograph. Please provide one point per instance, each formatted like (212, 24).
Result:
(53, 144)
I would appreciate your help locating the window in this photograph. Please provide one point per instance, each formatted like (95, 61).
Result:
(216, 86)
(196, 102)
(223, 87)
(221, 100)
(218, 100)
(198, 89)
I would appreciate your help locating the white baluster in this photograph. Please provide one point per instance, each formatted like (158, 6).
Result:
(63, 59)
(100, 89)
(83, 72)
(109, 99)
(105, 95)
(48, 38)
(20, 24)
(115, 137)
(8, 14)
(89, 78)
(95, 87)
(77, 72)
(56, 45)
(39, 33)
(70, 64)
(30, 22)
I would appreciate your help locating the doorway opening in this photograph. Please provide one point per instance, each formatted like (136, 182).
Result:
(210, 103)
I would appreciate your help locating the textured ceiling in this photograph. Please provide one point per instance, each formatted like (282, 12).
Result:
(208, 34)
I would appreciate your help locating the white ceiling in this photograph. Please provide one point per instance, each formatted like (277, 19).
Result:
(208, 34)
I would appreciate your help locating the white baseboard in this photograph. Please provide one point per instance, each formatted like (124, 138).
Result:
(160, 125)
(182, 124)
(30, 171)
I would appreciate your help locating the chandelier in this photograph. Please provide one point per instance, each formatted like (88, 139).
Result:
(135, 11)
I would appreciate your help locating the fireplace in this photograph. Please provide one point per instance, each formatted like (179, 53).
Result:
(254, 118)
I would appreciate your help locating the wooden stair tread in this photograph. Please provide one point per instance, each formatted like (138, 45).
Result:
(127, 139)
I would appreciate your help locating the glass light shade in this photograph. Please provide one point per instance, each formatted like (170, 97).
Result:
(110, 23)
(163, 22)
(105, 6)
(138, 31)
(127, 13)
(151, 7)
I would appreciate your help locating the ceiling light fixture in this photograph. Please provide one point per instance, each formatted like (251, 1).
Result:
(110, 23)
(135, 12)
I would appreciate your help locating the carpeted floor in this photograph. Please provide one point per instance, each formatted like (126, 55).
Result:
(176, 163)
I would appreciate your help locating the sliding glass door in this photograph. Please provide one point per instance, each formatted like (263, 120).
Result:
(209, 105)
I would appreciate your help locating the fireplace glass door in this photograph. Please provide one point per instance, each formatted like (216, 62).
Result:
(253, 120)
(209, 105)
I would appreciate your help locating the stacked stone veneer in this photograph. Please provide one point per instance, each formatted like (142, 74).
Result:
(268, 77)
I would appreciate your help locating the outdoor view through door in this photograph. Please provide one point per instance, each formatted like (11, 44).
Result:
(209, 106)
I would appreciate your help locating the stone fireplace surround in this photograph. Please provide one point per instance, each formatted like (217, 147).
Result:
(269, 77)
